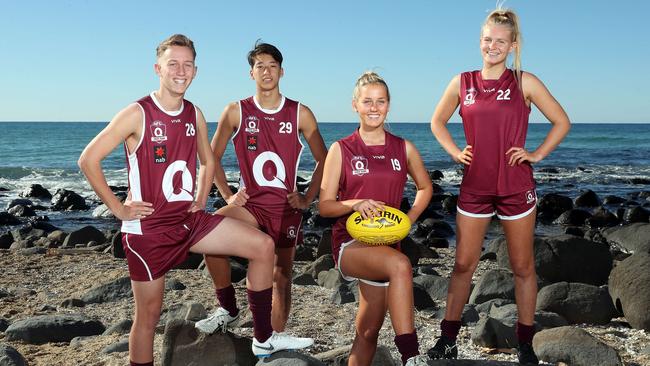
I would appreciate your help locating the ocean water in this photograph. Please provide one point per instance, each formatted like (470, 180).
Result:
(606, 158)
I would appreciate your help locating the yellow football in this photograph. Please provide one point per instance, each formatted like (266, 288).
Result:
(392, 226)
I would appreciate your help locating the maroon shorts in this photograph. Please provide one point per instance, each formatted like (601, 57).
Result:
(510, 207)
(150, 256)
(285, 230)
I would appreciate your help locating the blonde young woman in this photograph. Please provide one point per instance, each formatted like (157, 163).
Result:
(498, 177)
(363, 172)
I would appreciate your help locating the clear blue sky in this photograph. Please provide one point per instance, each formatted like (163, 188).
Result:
(85, 60)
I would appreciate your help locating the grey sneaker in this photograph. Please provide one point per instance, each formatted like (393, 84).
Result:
(278, 342)
(220, 319)
(419, 360)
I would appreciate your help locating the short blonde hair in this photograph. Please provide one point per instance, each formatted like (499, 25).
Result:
(175, 40)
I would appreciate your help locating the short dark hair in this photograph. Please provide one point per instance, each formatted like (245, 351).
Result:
(175, 40)
(262, 48)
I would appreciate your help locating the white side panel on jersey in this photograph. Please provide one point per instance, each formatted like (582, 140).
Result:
(133, 226)
(239, 126)
(142, 131)
(302, 147)
(170, 113)
(144, 263)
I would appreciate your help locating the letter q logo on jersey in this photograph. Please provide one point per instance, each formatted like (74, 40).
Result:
(187, 185)
(359, 165)
(158, 132)
(261, 164)
(251, 123)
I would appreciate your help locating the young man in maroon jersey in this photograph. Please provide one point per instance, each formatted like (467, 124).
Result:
(162, 218)
(266, 130)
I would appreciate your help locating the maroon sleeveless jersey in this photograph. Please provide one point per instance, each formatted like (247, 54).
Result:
(162, 169)
(268, 148)
(495, 118)
(369, 172)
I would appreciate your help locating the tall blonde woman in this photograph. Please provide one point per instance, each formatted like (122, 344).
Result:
(498, 177)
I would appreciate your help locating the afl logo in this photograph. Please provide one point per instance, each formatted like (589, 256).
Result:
(470, 97)
(158, 132)
(251, 124)
(359, 165)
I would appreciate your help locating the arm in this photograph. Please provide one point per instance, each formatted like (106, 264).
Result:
(536, 92)
(445, 108)
(228, 123)
(328, 206)
(125, 126)
(309, 129)
(206, 161)
(422, 181)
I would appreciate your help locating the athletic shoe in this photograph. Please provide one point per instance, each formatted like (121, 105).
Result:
(526, 355)
(419, 360)
(278, 342)
(220, 319)
(444, 348)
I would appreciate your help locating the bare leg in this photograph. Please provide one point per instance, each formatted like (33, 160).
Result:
(470, 232)
(218, 265)
(370, 317)
(385, 264)
(148, 296)
(249, 242)
(282, 287)
(520, 238)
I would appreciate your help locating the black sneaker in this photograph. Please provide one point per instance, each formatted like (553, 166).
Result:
(444, 348)
(526, 355)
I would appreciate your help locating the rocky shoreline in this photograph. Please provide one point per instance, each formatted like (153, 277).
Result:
(65, 299)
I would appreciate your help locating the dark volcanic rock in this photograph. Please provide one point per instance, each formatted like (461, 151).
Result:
(634, 237)
(588, 198)
(567, 258)
(552, 205)
(602, 217)
(496, 283)
(64, 199)
(635, 214)
(37, 191)
(53, 328)
(83, 236)
(8, 219)
(184, 345)
(9, 356)
(573, 217)
(22, 211)
(114, 290)
(573, 346)
(629, 287)
(577, 302)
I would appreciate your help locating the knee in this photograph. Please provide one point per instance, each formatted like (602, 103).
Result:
(265, 249)
(523, 267)
(401, 268)
(368, 334)
(462, 265)
(147, 318)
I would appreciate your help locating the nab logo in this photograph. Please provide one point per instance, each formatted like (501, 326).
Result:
(160, 154)
(158, 132)
(359, 165)
(251, 141)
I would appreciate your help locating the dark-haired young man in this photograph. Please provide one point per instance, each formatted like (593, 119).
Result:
(265, 130)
